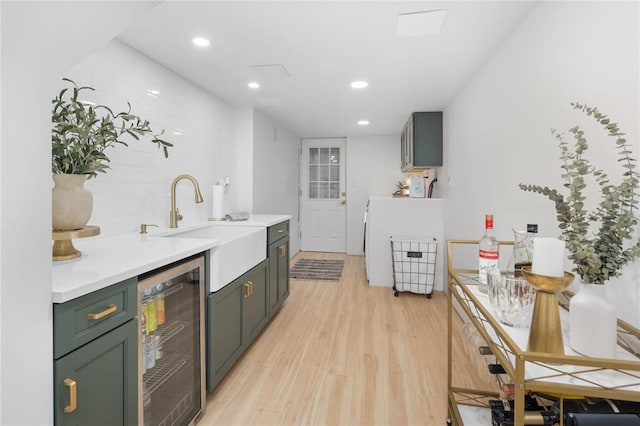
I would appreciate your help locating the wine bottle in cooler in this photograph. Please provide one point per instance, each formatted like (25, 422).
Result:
(488, 253)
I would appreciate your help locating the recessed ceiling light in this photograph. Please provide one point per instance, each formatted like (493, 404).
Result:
(363, 122)
(201, 41)
(359, 84)
(153, 92)
(253, 85)
(420, 23)
(178, 132)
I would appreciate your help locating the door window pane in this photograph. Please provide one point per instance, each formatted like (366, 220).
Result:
(313, 189)
(323, 190)
(335, 173)
(335, 155)
(313, 155)
(324, 155)
(324, 173)
(313, 173)
(334, 192)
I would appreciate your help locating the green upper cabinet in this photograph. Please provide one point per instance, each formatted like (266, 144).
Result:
(421, 141)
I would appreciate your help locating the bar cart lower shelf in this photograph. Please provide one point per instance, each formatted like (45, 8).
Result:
(532, 376)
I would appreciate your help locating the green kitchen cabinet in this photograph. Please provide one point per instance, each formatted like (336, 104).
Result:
(237, 314)
(255, 310)
(96, 358)
(97, 384)
(278, 254)
(421, 141)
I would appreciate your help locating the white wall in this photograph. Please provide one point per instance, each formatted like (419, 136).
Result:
(497, 130)
(240, 165)
(276, 175)
(32, 61)
(373, 168)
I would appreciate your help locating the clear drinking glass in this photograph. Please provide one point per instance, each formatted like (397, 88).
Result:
(512, 297)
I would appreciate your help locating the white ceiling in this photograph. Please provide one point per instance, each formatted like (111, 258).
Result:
(324, 46)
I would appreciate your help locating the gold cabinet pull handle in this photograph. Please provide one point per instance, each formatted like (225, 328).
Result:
(73, 396)
(280, 231)
(248, 287)
(283, 251)
(110, 309)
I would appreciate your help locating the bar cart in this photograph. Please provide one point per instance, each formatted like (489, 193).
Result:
(563, 377)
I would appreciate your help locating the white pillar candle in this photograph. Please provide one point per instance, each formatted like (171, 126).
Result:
(548, 257)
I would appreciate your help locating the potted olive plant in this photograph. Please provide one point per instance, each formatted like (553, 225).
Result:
(600, 242)
(81, 133)
(402, 189)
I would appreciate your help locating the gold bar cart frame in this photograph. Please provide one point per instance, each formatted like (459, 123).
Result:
(515, 360)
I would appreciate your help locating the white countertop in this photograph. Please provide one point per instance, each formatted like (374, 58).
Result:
(107, 260)
(255, 220)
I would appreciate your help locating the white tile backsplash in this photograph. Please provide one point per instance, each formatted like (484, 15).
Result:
(137, 187)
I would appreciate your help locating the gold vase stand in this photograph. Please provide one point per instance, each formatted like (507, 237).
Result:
(63, 248)
(545, 333)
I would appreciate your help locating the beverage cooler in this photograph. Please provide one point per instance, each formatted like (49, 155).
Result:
(171, 385)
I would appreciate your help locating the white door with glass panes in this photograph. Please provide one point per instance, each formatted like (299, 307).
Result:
(323, 197)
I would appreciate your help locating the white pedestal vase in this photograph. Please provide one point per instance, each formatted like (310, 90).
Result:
(592, 322)
(72, 203)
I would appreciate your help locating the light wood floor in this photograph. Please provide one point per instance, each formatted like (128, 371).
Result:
(344, 353)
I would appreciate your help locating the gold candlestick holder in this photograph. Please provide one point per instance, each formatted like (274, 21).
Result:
(545, 334)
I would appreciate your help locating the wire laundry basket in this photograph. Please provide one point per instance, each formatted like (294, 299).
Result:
(414, 264)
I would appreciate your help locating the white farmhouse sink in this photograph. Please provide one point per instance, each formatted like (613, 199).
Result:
(241, 248)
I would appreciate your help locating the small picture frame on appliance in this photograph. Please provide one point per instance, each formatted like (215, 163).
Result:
(417, 188)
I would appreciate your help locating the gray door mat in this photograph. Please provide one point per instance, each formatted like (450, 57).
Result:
(317, 269)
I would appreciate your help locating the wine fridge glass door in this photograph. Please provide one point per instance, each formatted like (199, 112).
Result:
(171, 389)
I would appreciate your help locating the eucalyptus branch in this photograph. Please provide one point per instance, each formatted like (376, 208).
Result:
(597, 255)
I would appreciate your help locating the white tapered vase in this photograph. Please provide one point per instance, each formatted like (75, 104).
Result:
(593, 322)
(71, 202)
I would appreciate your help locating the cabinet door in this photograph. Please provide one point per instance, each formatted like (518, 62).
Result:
(274, 294)
(283, 270)
(278, 274)
(427, 142)
(403, 147)
(102, 375)
(225, 332)
(409, 141)
(256, 301)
